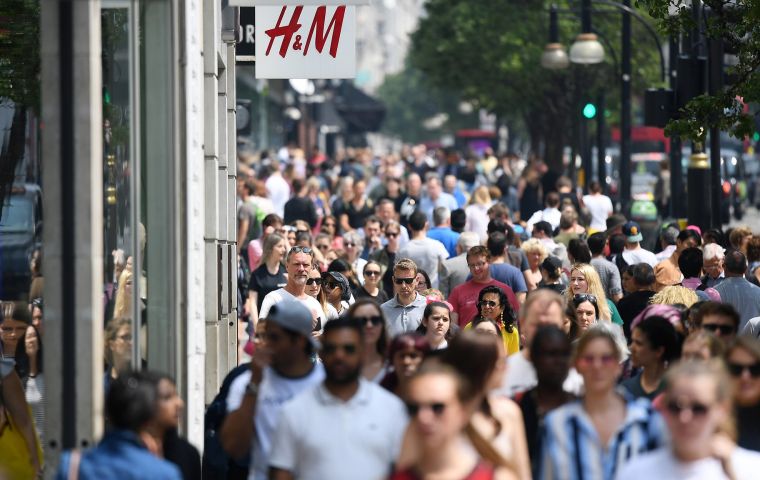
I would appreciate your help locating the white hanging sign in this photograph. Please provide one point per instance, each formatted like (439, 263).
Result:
(305, 41)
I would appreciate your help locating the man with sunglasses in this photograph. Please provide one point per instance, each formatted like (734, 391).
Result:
(403, 312)
(720, 319)
(298, 263)
(344, 428)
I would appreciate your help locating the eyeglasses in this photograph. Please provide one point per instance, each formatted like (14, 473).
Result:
(414, 408)
(738, 369)
(697, 409)
(350, 244)
(314, 281)
(399, 281)
(605, 360)
(584, 297)
(487, 303)
(306, 250)
(331, 348)
(723, 329)
(391, 234)
(323, 247)
(375, 320)
(371, 273)
(476, 265)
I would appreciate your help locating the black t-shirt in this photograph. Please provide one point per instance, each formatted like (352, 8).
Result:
(630, 306)
(263, 282)
(300, 208)
(381, 297)
(749, 427)
(357, 216)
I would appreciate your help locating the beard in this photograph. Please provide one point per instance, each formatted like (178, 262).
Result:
(342, 376)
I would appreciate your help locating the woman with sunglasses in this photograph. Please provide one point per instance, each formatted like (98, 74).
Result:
(436, 325)
(584, 279)
(368, 314)
(593, 437)
(494, 305)
(269, 276)
(743, 360)
(440, 402)
(314, 289)
(337, 292)
(697, 411)
(405, 354)
(371, 288)
(654, 345)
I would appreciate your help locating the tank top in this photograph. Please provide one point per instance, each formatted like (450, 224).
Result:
(482, 471)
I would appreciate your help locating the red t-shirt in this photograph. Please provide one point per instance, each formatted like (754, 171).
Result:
(464, 299)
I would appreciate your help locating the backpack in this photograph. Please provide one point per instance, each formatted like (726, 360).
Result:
(216, 462)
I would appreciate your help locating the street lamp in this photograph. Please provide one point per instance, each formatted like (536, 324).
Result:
(554, 56)
(586, 50)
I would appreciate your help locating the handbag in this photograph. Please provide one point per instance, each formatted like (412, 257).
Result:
(14, 454)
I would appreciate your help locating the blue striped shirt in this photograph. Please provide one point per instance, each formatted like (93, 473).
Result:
(572, 450)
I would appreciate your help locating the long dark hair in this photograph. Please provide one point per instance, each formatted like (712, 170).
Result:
(382, 342)
(508, 315)
(22, 359)
(422, 330)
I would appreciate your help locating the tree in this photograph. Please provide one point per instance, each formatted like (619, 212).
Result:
(737, 25)
(490, 52)
(419, 111)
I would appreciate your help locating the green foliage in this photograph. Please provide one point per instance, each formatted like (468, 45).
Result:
(737, 24)
(411, 101)
(20, 51)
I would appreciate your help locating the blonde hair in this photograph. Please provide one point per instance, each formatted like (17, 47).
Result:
(594, 287)
(673, 295)
(535, 245)
(122, 305)
(481, 196)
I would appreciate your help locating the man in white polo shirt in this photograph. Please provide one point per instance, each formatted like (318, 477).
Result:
(344, 428)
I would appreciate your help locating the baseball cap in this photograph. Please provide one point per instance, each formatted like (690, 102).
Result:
(632, 232)
(342, 282)
(614, 221)
(294, 316)
(551, 264)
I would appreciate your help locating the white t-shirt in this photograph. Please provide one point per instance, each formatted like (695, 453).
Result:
(639, 255)
(662, 464)
(279, 192)
(274, 392)
(521, 376)
(428, 254)
(600, 207)
(322, 437)
(281, 294)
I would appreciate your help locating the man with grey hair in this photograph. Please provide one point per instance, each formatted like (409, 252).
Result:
(667, 242)
(712, 265)
(455, 270)
(442, 230)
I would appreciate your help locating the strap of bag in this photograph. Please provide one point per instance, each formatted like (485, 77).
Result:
(74, 459)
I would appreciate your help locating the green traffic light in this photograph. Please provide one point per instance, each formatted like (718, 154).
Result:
(589, 111)
(756, 136)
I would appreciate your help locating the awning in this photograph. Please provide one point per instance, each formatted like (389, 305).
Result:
(361, 112)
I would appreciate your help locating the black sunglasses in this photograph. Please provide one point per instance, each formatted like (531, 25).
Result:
(330, 285)
(697, 409)
(331, 348)
(584, 297)
(487, 303)
(375, 320)
(371, 273)
(391, 235)
(723, 329)
(737, 369)
(399, 281)
(414, 408)
(306, 250)
(312, 281)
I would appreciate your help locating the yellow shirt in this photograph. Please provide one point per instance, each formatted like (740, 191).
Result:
(511, 340)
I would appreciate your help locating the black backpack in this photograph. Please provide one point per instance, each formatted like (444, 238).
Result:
(216, 462)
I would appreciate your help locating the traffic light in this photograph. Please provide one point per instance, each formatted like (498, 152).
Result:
(589, 111)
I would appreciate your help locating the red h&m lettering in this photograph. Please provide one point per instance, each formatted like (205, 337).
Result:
(317, 31)
(318, 25)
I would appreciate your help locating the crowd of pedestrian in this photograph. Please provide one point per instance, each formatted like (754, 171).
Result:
(424, 315)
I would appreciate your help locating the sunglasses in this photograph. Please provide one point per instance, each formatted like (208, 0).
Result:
(350, 244)
(306, 250)
(697, 409)
(399, 281)
(605, 360)
(584, 297)
(331, 348)
(371, 273)
(723, 329)
(738, 369)
(391, 234)
(313, 281)
(413, 408)
(487, 303)
(375, 320)
(323, 247)
(330, 285)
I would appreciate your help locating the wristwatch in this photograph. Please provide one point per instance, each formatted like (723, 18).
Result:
(252, 389)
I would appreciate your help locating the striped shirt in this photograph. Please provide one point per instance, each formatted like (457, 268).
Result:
(572, 449)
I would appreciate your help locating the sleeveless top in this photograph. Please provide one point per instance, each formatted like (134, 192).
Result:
(482, 471)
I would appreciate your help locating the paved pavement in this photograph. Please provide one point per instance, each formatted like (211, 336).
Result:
(751, 219)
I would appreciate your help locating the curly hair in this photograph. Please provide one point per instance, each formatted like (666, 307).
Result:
(674, 294)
